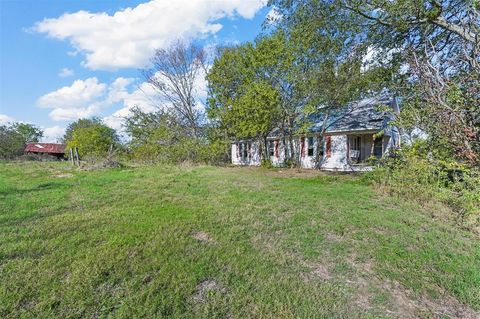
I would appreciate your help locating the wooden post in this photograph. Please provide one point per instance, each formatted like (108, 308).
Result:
(71, 157)
(76, 156)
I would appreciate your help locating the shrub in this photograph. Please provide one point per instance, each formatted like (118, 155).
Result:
(422, 177)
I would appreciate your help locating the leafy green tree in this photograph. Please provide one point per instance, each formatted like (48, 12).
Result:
(81, 123)
(30, 133)
(12, 143)
(242, 99)
(92, 141)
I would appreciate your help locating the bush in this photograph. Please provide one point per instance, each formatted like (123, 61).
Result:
(421, 177)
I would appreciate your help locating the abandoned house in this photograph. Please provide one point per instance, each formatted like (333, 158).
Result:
(352, 135)
(47, 149)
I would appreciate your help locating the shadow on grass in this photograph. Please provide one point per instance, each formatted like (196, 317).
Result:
(18, 191)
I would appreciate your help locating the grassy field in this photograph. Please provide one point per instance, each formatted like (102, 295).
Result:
(211, 242)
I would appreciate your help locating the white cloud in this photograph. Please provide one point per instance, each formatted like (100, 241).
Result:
(4, 119)
(128, 38)
(143, 97)
(53, 134)
(65, 73)
(81, 99)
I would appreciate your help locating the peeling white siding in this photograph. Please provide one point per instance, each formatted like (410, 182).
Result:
(335, 160)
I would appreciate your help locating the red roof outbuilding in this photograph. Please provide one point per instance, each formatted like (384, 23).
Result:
(46, 148)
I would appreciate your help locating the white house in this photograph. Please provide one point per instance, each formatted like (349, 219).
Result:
(352, 135)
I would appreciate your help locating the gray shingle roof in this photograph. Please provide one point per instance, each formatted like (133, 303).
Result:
(367, 114)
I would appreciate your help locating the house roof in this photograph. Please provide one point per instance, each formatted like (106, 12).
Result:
(364, 115)
(50, 148)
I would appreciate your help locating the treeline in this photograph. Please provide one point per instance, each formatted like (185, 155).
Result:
(14, 137)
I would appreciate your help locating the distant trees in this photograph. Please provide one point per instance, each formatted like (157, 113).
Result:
(15, 136)
(92, 138)
(29, 132)
(12, 142)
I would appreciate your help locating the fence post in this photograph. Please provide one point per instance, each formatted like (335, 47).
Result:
(76, 155)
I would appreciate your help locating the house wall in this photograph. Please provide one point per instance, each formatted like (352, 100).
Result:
(338, 157)
(252, 160)
(337, 160)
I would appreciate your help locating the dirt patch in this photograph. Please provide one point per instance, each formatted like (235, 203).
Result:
(332, 237)
(321, 271)
(66, 175)
(409, 306)
(203, 237)
(205, 289)
(316, 271)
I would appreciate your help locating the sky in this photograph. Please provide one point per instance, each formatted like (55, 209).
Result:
(65, 60)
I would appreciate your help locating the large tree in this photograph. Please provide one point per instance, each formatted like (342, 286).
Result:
(243, 102)
(175, 73)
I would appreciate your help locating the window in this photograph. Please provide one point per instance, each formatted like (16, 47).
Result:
(271, 148)
(244, 151)
(356, 142)
(328, 145)
(310, 146)
(378, 147)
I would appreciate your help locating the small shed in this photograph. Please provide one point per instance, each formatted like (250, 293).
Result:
(52, 149)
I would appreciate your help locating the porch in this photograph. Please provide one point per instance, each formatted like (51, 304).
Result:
(361, 147)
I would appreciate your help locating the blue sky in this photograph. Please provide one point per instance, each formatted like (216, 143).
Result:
(62, 60)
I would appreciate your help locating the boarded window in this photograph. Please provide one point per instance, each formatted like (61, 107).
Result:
(310, 146)
(328, 145)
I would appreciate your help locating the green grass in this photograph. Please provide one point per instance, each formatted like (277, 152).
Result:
(211, 242)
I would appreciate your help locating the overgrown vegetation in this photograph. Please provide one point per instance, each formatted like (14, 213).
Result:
(415, 174)
(14, 137)
(93, 139)
(209, 242)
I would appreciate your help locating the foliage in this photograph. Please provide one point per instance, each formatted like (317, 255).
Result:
(30, 133)
(159, 137)
(242, 100)
(15, 136)
(80, 123)
(92, 140)
(417, 173)
(12, 143)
